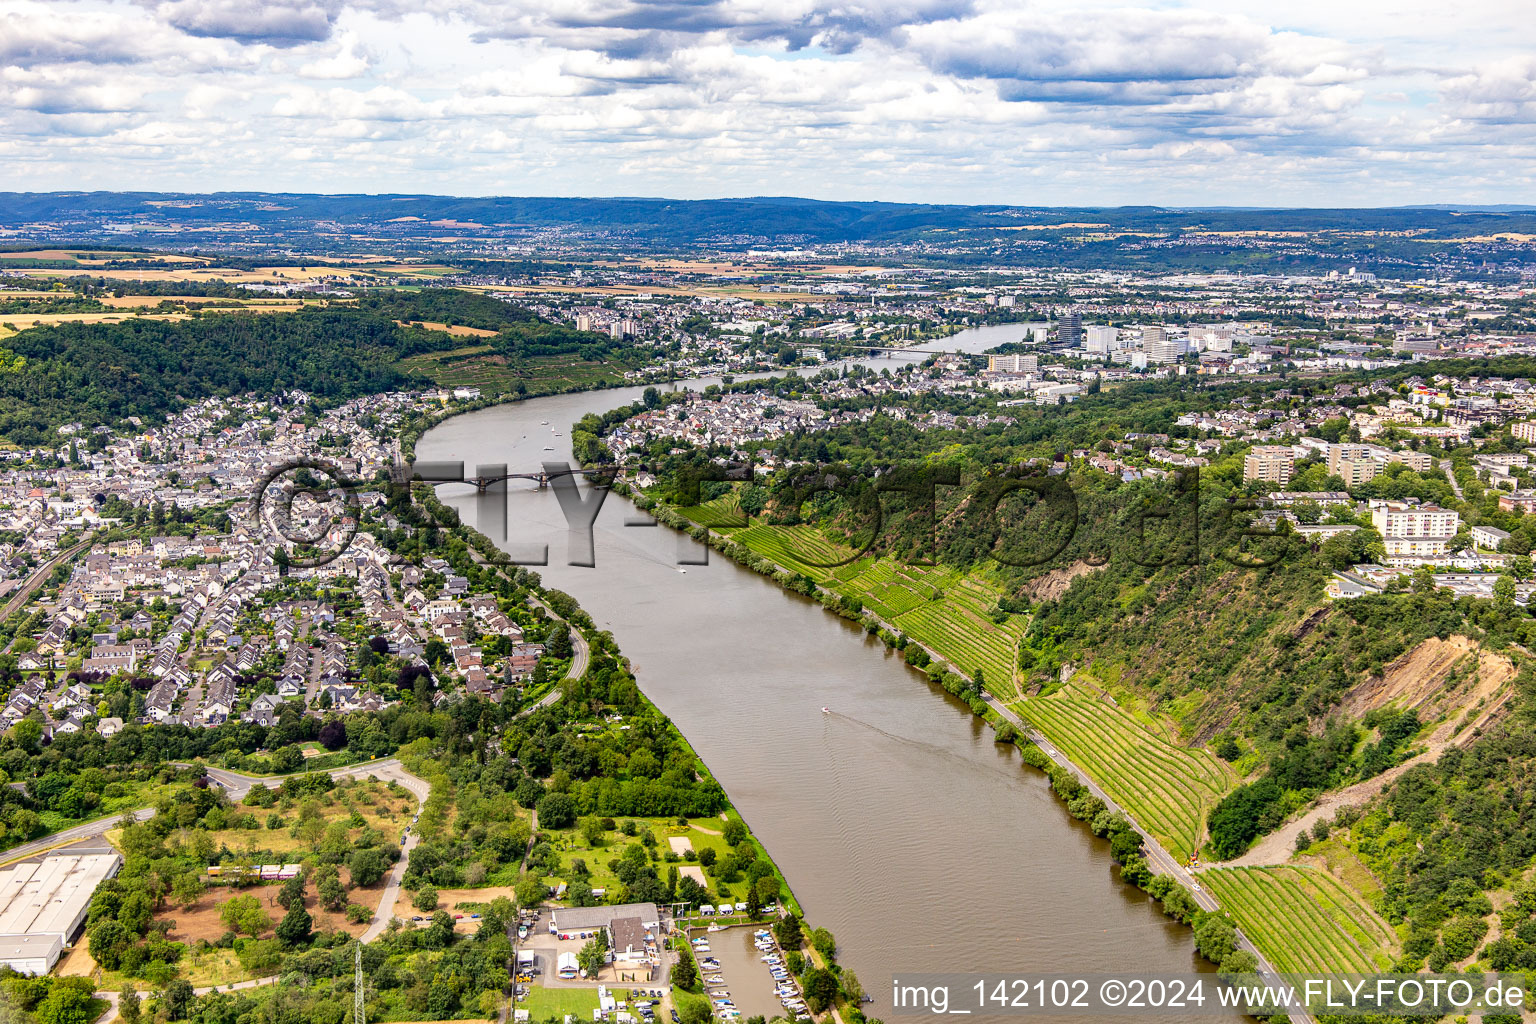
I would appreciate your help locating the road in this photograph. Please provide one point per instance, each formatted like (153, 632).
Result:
(1161, 861)
(236, 785)
(1450, 474)
(89, 830)
(581, 653)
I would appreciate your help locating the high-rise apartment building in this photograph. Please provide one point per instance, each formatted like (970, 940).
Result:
(1102, 340)
(1272, 463)
(1070, 332)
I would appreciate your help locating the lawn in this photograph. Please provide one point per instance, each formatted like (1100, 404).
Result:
(1303, 920)
(1168, 789)
(543, 1003)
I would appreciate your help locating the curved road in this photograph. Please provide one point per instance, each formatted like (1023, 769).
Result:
(89, 830)
(236, 785)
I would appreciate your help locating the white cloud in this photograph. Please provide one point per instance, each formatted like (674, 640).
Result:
(942, 100)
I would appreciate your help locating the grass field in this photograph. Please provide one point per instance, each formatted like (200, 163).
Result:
(1302, 919)
(543, 1003)
(1168, 789)
(942, 608)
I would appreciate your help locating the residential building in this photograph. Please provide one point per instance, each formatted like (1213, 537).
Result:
(1414, 529)
(1489, 537)
(1270, 463)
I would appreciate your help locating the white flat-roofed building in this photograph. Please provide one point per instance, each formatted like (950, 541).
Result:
(1102, 340)
(1273, 463)
(43, 903)
(31, 954)
(1398, 519)
(1489, 537)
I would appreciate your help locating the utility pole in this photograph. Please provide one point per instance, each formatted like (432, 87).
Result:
(358, 1017)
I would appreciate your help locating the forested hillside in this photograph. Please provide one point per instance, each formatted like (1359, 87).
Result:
(1157, 597)
(104, 373)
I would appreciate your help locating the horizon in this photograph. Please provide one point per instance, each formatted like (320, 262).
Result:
(1058, 105)
(490, 196)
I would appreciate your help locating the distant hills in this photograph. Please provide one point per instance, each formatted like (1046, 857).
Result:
(229, 216)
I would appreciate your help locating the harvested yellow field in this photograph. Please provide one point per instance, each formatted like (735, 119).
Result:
(456, 330)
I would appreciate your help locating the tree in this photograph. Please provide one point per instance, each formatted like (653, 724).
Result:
(333, 734)
(367, 867)
(530, 892)
(440, 932)
(296, 927)
(425, 899)
(787, 931)
(592, 829)
(734, 833)
(244, 914)
(177, 999)
(823, 942)
(754, 904)
(332, 895)
(292, 893)
(188, 888)
(287, 759)
(820, 989)
(685, 972)
(65, 1004)
(1243, 962)
(128, 1003)
(690, 891)
(27, 733)
(556, 810)
(1215, 937)
(1504, 590)
(1521, 567)
(594, 954)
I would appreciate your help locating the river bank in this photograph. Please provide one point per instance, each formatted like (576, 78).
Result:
(865, 808)
(695, 845)
(1161, 875)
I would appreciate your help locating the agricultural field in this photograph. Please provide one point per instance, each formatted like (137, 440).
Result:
(1303, 920)
(943, 608)
(1168, 789)
(724, 511)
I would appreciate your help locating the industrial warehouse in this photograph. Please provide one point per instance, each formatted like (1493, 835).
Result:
(44, 902)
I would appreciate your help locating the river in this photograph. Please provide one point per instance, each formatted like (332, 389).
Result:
(901, 826)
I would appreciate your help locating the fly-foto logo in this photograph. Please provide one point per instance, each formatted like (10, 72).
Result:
(312, 510)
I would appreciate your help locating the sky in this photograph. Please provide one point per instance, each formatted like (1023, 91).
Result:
(1306, 103)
